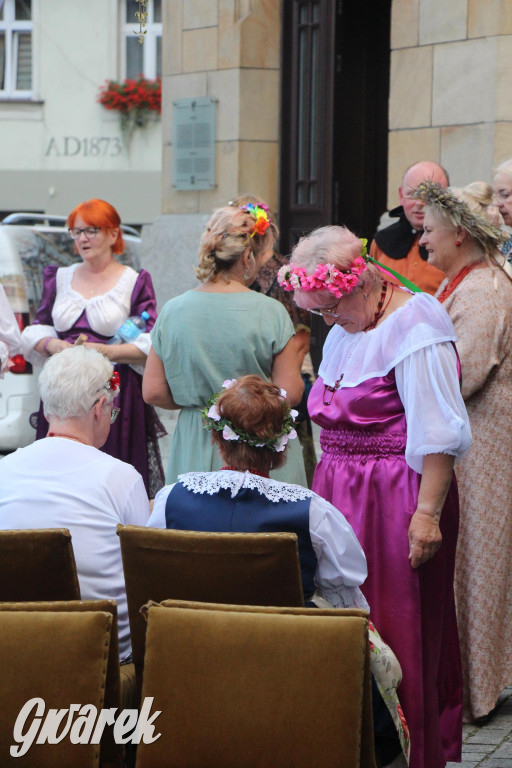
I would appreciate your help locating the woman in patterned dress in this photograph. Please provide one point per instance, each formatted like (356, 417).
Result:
(478, 297)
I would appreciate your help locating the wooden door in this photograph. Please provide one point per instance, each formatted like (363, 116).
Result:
(334, 119)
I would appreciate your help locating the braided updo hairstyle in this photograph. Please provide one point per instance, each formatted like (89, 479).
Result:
(226, 238)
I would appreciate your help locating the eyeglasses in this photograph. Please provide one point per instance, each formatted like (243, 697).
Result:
(330, 311)
(114, 412)
(89, 232)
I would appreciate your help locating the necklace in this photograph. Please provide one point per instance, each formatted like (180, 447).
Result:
(380, 306)
(452, 285)
(68, 437)
(249, 469)
(328, 398)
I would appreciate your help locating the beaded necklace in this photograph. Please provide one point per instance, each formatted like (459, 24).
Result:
(327, 399)
(452, 285)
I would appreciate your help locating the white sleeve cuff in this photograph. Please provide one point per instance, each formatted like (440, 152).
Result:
(157, 518)
(340, 557)
(143, 342)
(437, 421)
(30, 337)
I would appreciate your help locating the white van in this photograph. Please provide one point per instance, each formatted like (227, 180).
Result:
(28, 243)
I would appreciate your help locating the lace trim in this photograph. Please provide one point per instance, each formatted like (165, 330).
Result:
(213, 482)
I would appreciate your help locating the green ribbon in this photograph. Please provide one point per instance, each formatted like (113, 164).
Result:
(405, 282)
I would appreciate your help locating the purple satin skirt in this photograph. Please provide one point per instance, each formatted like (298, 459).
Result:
(363, 472)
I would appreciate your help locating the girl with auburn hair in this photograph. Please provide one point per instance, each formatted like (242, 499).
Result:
(253, 426)
(93, 298)
(220, 330)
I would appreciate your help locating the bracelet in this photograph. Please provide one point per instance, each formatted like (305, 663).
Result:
(45, 345)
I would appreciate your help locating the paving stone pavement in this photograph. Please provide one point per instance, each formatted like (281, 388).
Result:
(489, 745)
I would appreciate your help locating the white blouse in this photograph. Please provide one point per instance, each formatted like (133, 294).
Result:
(105, 313)
(341, 562)
(415, 340)
(59, 483)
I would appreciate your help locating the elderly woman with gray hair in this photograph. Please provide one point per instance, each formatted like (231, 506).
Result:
(393, 422)
(65, 481)
(478, 297)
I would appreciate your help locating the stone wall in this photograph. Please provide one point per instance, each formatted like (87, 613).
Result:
(451, 66)
(228, 50)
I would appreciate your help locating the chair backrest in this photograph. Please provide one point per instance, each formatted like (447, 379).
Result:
(245, 568)
(40, 653)
(112, 754)
(37, 565)
(241, 687)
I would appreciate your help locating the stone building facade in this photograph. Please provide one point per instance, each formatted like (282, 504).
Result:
(450, 70)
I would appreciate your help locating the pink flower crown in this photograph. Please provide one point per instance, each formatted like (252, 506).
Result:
(326, 277)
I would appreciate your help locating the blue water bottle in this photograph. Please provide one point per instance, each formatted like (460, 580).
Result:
(131, 329)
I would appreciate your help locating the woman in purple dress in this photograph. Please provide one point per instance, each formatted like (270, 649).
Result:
(393, 421)
(88, 302)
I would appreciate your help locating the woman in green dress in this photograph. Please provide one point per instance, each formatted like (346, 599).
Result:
(218, 331)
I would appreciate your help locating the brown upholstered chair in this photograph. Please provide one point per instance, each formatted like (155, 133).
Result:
(246, 568)
(61, 659)
(120, 681)
(37, 565)
(241, 687)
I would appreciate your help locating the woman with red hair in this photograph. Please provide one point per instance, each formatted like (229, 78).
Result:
(93, 298)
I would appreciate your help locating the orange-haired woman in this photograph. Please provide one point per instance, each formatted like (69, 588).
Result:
(93, 298)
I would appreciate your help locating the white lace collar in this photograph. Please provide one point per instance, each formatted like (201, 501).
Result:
(213, 482)
(419, 323)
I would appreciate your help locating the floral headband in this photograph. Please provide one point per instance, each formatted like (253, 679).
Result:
(327, 277)
(113, 382)
(260, 214)
(214, 420)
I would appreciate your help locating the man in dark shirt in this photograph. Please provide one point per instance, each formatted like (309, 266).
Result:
(397, 246)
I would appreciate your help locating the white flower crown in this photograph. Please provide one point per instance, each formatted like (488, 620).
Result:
(214, 420)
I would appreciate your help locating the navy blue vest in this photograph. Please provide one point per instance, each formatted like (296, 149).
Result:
(248, 512)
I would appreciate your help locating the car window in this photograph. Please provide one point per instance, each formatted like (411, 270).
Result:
(38, 249)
